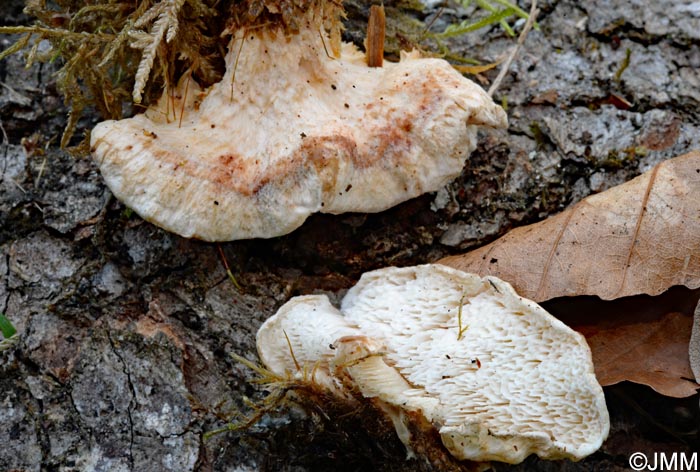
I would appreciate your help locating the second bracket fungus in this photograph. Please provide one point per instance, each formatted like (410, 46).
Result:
(289, 131)
(495, 374)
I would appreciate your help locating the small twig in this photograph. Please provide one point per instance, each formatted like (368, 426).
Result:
(432, 22)
(184, 100)
(459, 318)
(323, 41)
(228, 270)
(273, 401)
(277, 385)
(526, 29)
(5, 140)
(291, 351)
(18, 185)
(42, 168)
(235, 63)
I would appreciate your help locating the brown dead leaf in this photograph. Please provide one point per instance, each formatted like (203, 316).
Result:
(694, 346)
(642, 339)
(641, 237)
(650, 347)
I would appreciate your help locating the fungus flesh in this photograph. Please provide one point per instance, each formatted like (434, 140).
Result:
(494, 373)
(289, 131)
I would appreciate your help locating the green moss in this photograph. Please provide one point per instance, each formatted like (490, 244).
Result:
(620, 158)
(127, 213)
(110, 49)
(624, 65)
(403, 31)
(538, 134)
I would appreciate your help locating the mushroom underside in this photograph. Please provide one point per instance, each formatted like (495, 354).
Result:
(495, 374)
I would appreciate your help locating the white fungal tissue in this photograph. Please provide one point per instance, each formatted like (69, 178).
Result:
(499, 378)
(291, 131)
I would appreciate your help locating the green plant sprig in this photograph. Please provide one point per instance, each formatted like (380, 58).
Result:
(9, 333)
(468, 26)
(497, 15)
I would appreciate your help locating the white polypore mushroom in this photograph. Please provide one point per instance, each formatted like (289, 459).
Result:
(290, 131)
(499, 377)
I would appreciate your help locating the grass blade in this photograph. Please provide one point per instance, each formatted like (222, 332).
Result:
(6, 327)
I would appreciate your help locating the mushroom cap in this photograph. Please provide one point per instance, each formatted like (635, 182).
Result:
(513, 381)
(309, 321)
(290, 131)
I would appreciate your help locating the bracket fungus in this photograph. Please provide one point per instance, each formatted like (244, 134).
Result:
(291, 130)
(495, 374)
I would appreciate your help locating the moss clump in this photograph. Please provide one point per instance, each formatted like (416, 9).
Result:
(288, 14)
(110, 48)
